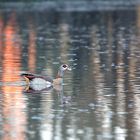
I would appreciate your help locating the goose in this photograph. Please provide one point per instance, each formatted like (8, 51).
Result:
(39, 82)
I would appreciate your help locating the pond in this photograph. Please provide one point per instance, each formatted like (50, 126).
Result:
(99, 98)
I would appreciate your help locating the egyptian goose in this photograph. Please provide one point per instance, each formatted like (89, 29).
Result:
(39, 82)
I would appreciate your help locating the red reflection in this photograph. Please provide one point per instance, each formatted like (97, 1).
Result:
(11, 52)
(13, 101)
(32, 49)
(1, 33)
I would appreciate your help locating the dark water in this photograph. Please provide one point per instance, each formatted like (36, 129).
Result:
(100, 98)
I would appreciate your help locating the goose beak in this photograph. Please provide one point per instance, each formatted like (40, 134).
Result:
(69, 68)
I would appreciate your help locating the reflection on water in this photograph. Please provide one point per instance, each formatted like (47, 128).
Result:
(100, 97)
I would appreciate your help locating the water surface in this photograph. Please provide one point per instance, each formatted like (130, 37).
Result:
(100, 96)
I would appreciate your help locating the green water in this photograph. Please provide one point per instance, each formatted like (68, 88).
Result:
(100, 96)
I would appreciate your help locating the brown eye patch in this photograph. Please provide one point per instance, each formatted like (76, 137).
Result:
(64, 66)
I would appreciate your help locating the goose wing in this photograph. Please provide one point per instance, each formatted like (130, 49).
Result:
(31, 76)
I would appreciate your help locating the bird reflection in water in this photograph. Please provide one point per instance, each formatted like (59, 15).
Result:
(64, 100)
(42, 83)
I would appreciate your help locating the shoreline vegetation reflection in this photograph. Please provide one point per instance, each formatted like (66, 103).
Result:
(67, 5)
(101, 94)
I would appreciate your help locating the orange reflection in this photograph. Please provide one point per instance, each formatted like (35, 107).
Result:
(1, 33)
(32, 49)
(11, 53)
(13, 102)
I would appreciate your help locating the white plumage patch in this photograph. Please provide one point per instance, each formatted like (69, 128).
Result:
(39, 84)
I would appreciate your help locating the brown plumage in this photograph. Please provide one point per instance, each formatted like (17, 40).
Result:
(39, 81)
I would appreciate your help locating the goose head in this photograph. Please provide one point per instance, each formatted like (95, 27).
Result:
(62, 69)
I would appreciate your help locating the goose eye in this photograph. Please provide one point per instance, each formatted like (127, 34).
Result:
(64, 66)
